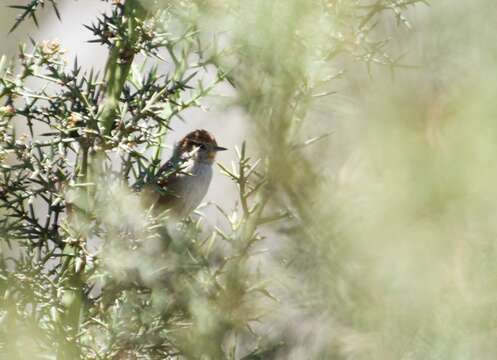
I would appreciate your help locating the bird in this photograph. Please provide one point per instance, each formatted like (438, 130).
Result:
(182, 182)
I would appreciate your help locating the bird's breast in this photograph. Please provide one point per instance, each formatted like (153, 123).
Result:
(194, 186)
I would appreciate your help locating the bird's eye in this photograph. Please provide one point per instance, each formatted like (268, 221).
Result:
(199, 144)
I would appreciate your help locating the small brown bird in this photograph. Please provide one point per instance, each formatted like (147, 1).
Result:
(186, 176)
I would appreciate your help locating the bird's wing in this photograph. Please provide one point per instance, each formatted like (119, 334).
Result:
(168, 167)
(163, 190)
(169, 187)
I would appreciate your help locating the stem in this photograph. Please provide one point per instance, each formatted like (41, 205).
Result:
(116, 72)
(242, 181)
(119, 64)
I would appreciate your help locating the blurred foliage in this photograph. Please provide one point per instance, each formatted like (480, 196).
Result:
(374, 241)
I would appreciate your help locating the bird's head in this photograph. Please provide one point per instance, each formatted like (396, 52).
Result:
(199, 144)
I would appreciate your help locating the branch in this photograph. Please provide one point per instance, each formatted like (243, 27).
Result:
(119, 64)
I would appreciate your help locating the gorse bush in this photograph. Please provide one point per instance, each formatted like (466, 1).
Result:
(322, 256)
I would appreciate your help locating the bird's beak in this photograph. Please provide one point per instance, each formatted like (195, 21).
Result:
(219, 148)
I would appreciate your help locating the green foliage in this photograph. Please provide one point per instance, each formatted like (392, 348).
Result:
(89, 272)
